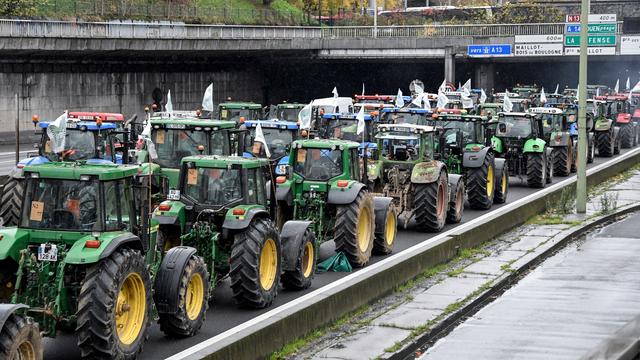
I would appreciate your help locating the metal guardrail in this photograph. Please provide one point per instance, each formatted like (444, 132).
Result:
(134, 30)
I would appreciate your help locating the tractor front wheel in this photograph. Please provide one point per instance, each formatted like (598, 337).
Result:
(114, 307)
(255, 264)
(536, 170)
(562, 160)
(20, 339)
(591, 151)
(627, 136)
(11, 201)
(550, 172)
(430, 204)
(456, 203)
(605, 142)
(386, 231)
(502, 187)
(481, 184)
(302, 276)
(355, 228)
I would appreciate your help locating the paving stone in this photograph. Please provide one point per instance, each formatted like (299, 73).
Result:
(407, 317)
(367, 344)
(508, 255)
(455, 288)
(486, 266)
(529, 242)
(544, 230)
(435, 301)
(628, 195)
(526, 258)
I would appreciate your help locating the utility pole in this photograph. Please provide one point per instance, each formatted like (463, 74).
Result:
(375, 18)
(17, 128)
(581, 186)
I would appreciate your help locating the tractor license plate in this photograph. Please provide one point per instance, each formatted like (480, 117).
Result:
(50, 254)
(173, 195)
(282, 169)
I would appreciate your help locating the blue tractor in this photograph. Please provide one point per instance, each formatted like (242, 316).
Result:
(279, 136)
(97, 141)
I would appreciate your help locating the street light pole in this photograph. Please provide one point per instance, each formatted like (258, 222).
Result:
(581, 186)
(375, 18)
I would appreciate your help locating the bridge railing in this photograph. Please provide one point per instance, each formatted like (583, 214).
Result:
(131, 30)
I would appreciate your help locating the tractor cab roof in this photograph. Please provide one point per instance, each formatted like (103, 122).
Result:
(91, 116)
(407, 111)
(336, 116)
(460, 117)
(325, 144)
(80, 171)
(596, 101)
(375, 98)
(223, 162)
(81, 125)
(612, 98)
(240, 105)
(509, 94)
(516, 114)
(176, 114)
(545, 110)
(490, 105)
(408, 128)
(290, 106)
(273, 124)
(191, 123)
(452, 111)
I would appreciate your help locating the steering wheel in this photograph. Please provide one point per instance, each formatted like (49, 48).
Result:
(63, 219)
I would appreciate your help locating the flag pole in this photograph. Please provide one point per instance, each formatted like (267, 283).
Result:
(581, 187)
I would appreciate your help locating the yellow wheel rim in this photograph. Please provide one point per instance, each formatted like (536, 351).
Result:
(490, 181)
(364, 229)
(504, 182)
(268, 264)
(390, 233)
(195, 296)
(307, 259)
(131, 308)
(25, 352)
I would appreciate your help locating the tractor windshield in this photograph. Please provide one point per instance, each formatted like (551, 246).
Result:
(318, 164)
(61, 205)
(288, 114)
(346, 129)
(213, 186)
(451, 128)
(400, 146)
(551, 123)
(174, 144)
(403, 118)
(236, 114)
(514, 126)
(277, 141)
(78, 145)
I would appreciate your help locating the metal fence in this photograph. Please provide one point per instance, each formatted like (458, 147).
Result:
(168, 30)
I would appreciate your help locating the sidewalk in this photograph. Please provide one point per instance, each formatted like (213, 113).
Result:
(396, 321)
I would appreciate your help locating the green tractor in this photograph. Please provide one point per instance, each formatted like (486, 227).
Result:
(558, 137)
(489, 110)
(463, 148)
(84, 259)
(519, 139)
(238, 112)
(407, 171)
(326, 184)
(606, 130)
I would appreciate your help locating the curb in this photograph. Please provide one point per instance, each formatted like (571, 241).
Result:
(268, 332)
(504, 282)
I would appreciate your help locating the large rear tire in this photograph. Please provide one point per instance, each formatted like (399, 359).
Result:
(456, 204)
(355, 228)
(605, 143)
(549, 164)
(114, 307)
(536, 170)
(385, 234)
(302, 276)
(562, 160)
(11, 201)
(627, 136)
(255, 264)
(481, 184)
(20, 339)
(502, 186)
(430, 204)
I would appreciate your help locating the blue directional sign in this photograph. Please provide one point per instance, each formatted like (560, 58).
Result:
(489, 50)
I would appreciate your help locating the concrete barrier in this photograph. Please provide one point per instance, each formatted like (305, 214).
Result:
(268, 332)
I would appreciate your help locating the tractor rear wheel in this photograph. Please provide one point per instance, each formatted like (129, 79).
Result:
(536, 170)
(302, 276)
(11, 201)
(20, 339)
(591, 151)
(605, 142)
(430, 204)
(355, 228)
(114, 307)
(481, 184)
(550, 171)
(193, 295)
(456, 203)
(626, 136)
(502, 186)
(562, 160)
(385, 234)
(255, 264)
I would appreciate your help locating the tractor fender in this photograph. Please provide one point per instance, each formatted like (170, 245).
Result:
(7, 309)
(109, 243)
(168, 278)
(380, 206)
(128, 239)
(562, 141)
(536, 145)
(496, 144)
(499, 166)
(283, 193)
(241, 222)
(454, 179)
(346, 195)
(603, 125)
(291, 238)
(474, 159)
(174, 216)
(426, 172)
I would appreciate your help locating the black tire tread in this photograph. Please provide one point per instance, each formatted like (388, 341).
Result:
(561, 164)
(295, 279)
(604, 141)
(17, 328)
(345, 229)
(626, 136)
(11, 201)
(499, 197)
(454, 215)
(536, 170)
(380, 246)
(425, 205)
(477, 184)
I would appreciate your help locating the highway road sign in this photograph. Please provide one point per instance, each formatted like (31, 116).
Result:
(593, 28)
(539, 38)
(630, 45)
(538, 49)
(594, 40)
(593, 18)
(591, 51)
(489, 50)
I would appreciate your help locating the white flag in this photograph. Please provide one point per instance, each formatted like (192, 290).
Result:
(628, 85)
(636, 87)
(443, 86)
(360, 118)
(335, 92)
(543, 96)
(467, 102)
(597, 91)
(507, 105)
(207, 99)
(483, 96)
(399, 99)
(443, 100)
(467, 85)
(57, 132)
(419, 97)
(146, 137)
(304, 116)
(425, 102)
(362, 89)
(260, 138)
(169, 106)
(617, 88)
(557, 88)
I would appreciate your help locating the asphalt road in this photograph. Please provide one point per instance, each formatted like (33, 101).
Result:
(8, 157)
(223, 315)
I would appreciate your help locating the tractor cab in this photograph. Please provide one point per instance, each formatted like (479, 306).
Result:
(375, 99)
(285, 111)
(526, 91)
(238, 112)
(489, 109)
(554, 120)
(279, 136)
(459, 132)
(415, 116)
(516, 127)
(373, 110)
(618, 108)
(519, 104)
(345, 127)
(405, 142)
